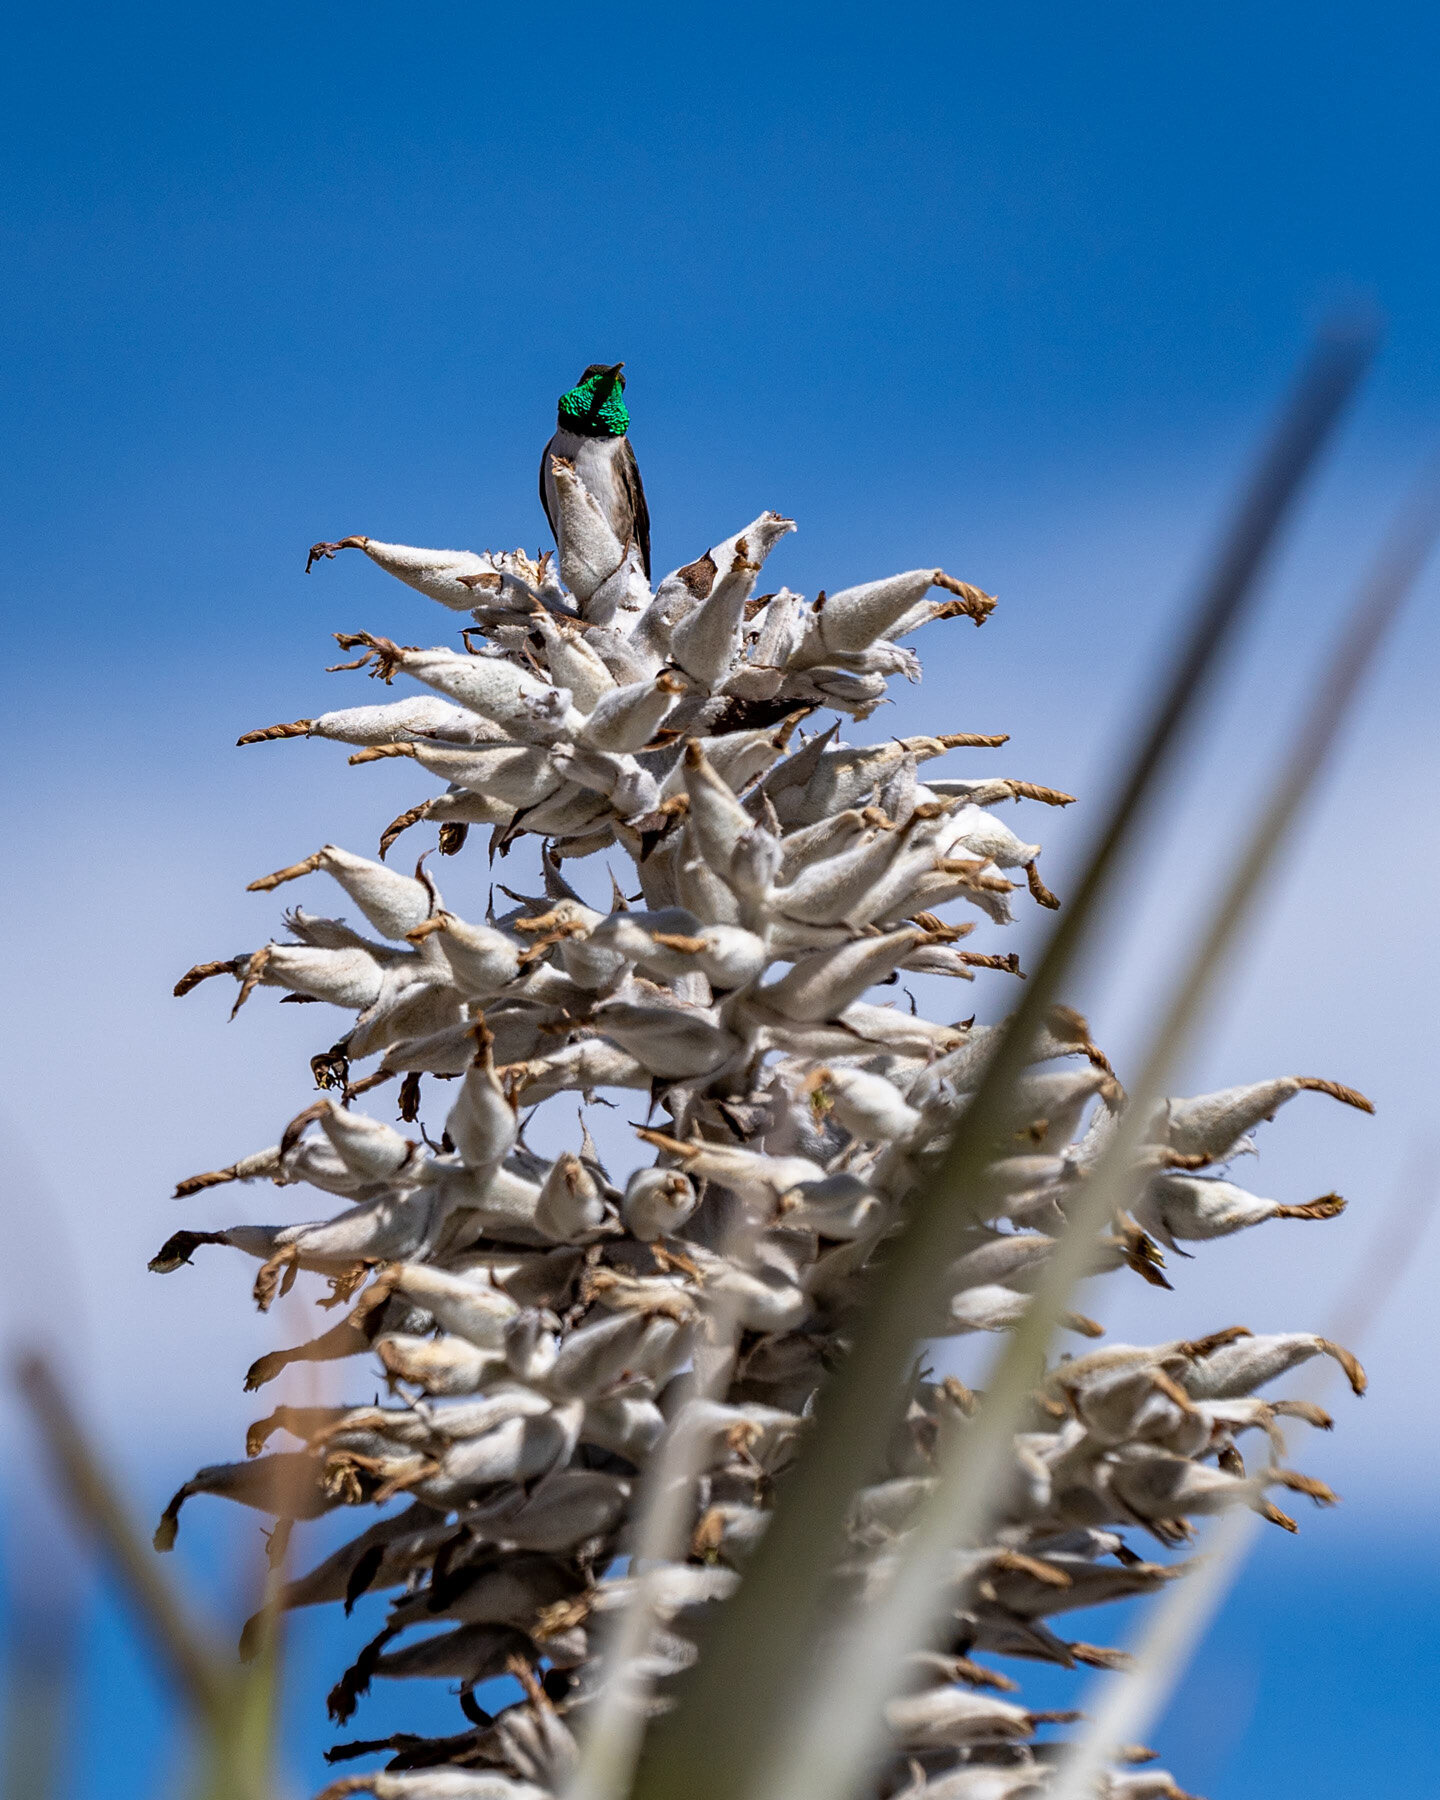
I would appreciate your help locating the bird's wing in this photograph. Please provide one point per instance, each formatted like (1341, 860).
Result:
(545, 456)
(627, 472)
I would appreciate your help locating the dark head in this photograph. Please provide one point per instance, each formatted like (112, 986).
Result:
(595, 406)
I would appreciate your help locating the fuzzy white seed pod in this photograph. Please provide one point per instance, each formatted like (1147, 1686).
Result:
(657, 1202)
(590, 552)
(526, 708)
(393, 903)
(869, 1106)
(626, 718)
(1190, 1207)
(481, 1124)
(706, 641)
(483, 961)
(571, 1207)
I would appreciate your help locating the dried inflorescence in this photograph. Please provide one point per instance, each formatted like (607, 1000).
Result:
(547, 1326)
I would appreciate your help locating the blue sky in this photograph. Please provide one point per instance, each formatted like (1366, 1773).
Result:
(1006, 289)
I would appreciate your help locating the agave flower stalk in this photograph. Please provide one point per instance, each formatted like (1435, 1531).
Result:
(564, 1338)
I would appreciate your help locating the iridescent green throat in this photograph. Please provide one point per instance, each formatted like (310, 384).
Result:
(610, 419)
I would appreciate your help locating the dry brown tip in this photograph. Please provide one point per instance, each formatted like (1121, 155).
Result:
(1068, 1025)
(1354, 1374)
(277, 1275)
(970, 870)
(379, 753)
(195, 1184)
(694, 755)
(375, 1296)
(1306, 1410)
(1307, 1484)
(543, 945)
(1009, 963)
(1098, 1656)
(674, 940)
(324, 552)
(258, 1434)
(1086, 1327)
(267, 733)
(1038, 889)
(665, 683)
(412, 816)
(265, 883)
(976, 1675)
(786, 728)
(401, 1482)
(1028, 790)
(972, 740)
(295, 1130)
(1328, 1206)
(177, 1249)
(1350, 1096)
(378, 1079)
(1268, 1510)
(1142, 1254)
(1197, 1349)
(169, 1526)
(266, 1368)
(538, 922)
(662, 1141)
(516, 1077)
(974, 602)
(436, 922)
(386, 655)
(1013, 1562)
(202, 972)
(1172, 1390)
(254, 970)
(962, 1398)
(939, 929)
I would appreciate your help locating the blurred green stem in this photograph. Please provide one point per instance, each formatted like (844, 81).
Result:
(233, 1710)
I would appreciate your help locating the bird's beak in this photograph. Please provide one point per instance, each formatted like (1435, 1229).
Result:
(605, 386)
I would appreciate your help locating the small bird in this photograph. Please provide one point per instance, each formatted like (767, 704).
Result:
(590, 429)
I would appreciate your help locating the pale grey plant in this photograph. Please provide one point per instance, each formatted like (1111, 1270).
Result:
(572, 1347)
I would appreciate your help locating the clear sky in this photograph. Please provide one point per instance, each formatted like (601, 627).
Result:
(1007, 289)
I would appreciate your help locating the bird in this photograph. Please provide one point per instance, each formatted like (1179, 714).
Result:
(590, 427)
